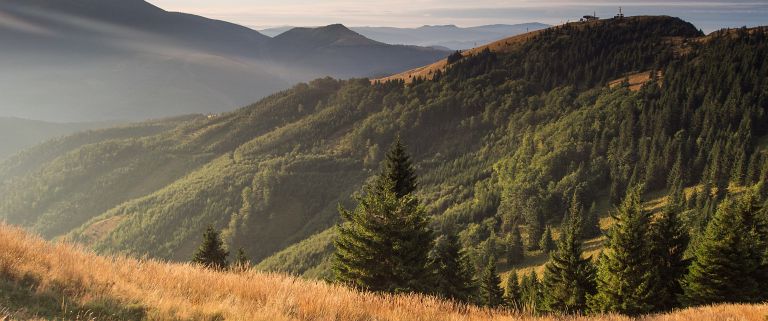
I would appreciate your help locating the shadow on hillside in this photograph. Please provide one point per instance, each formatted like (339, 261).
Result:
(25, 300)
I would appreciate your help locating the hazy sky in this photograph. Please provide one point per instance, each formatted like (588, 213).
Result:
(706, 14)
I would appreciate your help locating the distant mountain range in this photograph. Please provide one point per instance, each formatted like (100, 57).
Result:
(86, 60)
(445, 37)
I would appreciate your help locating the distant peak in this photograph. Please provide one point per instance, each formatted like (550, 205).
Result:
(330, 34)
(438, 26)
(336, 26)
(340, 31)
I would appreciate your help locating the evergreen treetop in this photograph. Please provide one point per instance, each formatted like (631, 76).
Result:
(211, 252)
(491, 293)
(547, 244)
(399, 169)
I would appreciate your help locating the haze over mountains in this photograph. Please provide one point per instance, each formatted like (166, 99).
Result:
(447, 36)
(84, 60)
(18, 134)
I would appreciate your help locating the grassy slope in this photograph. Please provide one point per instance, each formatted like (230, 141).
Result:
(59, 281)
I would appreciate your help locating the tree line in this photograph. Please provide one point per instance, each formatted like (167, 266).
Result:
(385, 245)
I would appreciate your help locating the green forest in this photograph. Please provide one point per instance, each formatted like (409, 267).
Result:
(516, 155)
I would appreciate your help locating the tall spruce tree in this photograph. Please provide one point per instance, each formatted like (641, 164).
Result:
(491, 293)
(728, 263)
(399, 169)
(211, 252)
(454, 273)
(627, 278)
(383, 245)
(669, 242)
(547, 244)
(512, 295)
(569, 278)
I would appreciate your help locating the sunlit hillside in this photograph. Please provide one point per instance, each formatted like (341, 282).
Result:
(40, 280)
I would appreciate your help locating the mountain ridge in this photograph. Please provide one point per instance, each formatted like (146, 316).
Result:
(498, 139)
(447, 36)
(135, 58)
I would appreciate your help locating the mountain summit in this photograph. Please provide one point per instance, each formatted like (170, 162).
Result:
(335, 34)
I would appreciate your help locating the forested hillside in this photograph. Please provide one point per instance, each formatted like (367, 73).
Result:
(502, 142)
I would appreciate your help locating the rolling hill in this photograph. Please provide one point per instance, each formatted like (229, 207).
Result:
(43, 281)
(448, 36)
(134, 61)
(501, 138)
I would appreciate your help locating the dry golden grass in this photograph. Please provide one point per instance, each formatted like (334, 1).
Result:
(182, 291)
(636, 80)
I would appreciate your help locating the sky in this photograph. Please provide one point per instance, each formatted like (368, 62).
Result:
(708, 15)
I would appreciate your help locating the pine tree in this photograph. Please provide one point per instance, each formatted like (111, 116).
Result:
(383, 245)
(547, 244)
(211, 253)
(491, 293)
(669, 242)
(512, 295)
(530, 292)
(399, 169)
(727, 263)
(514, 247)
(242, 259)
(753, 169)
(675, 177)
(568, 277)
(738, 167)
(626, 277)
(453, 271)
